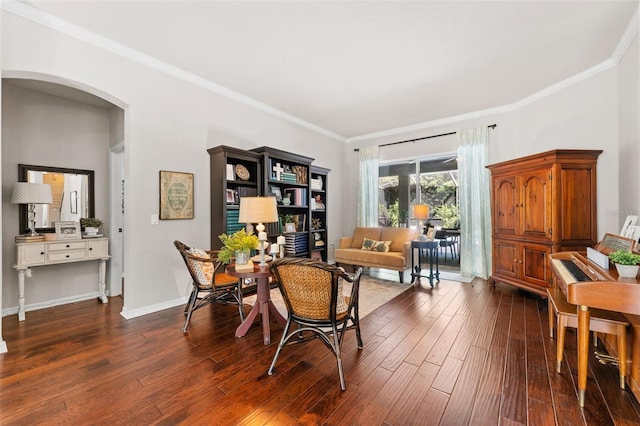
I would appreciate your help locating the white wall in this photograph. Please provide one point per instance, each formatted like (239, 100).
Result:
(169, 124)
(629, 125)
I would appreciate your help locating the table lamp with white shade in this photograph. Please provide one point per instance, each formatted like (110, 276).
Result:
(421, 212)
(31, 194)
(259, 210)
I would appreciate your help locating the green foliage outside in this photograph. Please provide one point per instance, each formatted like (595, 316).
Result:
(392, 215)
(438, 191)
(449, 214)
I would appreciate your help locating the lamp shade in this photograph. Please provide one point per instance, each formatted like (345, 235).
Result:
(31, 193)
(258, 210)
(421, 211)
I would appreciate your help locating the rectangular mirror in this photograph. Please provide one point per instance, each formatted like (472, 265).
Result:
(72, 191)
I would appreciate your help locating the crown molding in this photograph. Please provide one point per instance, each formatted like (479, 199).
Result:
(33, 14)
(554, 88)
(627, 38)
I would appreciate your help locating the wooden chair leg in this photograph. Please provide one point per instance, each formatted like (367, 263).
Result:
(562, 328)
(551, 316)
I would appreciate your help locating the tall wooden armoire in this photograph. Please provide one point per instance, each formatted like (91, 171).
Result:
(541, 204)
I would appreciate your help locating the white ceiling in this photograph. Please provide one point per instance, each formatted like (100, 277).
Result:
(354, 68)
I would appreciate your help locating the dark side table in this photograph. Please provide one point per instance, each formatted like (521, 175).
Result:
(424, 248)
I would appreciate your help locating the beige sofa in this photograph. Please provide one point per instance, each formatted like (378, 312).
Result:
(398, 258)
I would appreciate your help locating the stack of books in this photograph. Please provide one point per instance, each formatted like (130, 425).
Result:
(296, 243)
(232, 221)
(316, 184)
(289, 177)
(29, 238)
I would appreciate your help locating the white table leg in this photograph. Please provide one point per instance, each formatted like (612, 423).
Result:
(21, 274)
(101, 281)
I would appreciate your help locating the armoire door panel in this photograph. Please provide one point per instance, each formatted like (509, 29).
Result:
(535, 264)
(536, 204)
(505, 203)
(505, 260)
(577, 198)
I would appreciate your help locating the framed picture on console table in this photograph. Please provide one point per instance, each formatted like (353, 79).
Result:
(68, 230)
(176, 195)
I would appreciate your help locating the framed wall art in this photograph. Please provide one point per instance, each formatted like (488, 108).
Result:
(176, 195)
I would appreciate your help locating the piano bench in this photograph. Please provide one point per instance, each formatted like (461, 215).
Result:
(602, 321)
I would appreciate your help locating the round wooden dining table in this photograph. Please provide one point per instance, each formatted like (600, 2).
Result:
(263, 304)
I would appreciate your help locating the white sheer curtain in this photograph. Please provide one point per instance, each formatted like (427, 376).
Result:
(368, 187)
(475, 206)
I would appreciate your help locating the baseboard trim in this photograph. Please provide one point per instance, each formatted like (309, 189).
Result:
(149, 309)
(50, 303)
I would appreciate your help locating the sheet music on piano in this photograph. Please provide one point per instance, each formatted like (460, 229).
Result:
(600, 259)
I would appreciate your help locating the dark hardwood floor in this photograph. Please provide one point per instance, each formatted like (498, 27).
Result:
(455, 355)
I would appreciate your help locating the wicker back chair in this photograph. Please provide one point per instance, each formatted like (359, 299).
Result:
(210, 283)
(312, 291)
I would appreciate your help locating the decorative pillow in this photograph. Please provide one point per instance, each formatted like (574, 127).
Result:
(373, 245)
(203, 270)
(341, 303)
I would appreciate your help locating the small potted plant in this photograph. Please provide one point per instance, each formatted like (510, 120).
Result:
(627, 263)
(289, 225)
(238, 245)
(90, 225)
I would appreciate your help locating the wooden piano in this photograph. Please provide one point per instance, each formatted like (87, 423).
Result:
(587, 285)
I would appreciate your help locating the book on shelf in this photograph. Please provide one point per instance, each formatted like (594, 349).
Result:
(288, 177)
(274, 228)
(232, 221)
(300, 221)
(296, 243)
(316, 184)
(244, 191)
(298, 196)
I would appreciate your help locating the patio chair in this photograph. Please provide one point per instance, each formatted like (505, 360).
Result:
(448, 241)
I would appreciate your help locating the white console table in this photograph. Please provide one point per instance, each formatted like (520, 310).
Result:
(56, 252)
